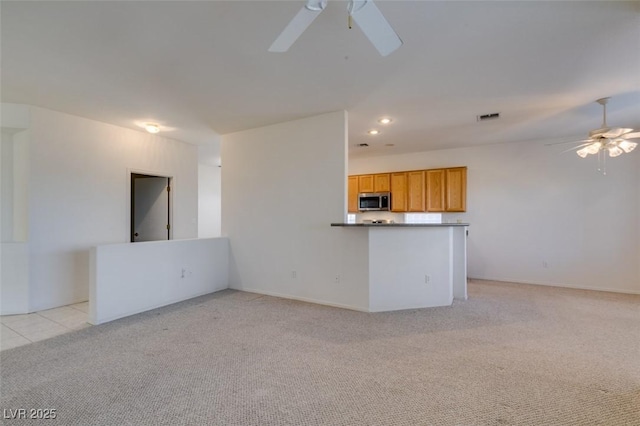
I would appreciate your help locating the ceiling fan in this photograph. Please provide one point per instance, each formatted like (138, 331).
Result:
(364, 12)
(612, 140)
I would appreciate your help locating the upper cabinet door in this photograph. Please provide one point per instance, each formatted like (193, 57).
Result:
(415, 190)
(399, 192)
(456, 179)
(382, 182)
(436, 190)
(353, 194)
(365, 183)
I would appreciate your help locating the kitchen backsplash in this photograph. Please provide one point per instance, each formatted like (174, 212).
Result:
(410, 217)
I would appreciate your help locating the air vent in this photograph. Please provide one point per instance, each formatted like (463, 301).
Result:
(488, 116)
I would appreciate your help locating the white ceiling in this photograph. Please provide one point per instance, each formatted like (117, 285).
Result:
(201, 68)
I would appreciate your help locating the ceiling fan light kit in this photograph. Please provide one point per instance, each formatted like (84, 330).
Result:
(364, 12)
(612, 140)
(627, 146)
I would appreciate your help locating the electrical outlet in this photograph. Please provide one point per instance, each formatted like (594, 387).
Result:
(427, 279)
(294, 275)
(545, 264)
(183, 272)
(337, 279)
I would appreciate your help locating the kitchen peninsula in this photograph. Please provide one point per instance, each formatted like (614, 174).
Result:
(413, 265)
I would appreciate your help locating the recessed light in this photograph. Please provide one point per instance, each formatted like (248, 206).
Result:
(385, 120)
(152, 128)
(374, 132)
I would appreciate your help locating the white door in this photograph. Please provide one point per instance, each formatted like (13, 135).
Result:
(150, 208)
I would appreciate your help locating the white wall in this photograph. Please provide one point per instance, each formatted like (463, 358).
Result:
(130, 278)
(14, 151)
(14, 273)
(79, 196)
(6, 186)
(282, 186)
(528, 204)
(400, 258)
(14, 249)
(209, 190)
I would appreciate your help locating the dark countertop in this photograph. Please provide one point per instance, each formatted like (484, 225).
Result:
(395, 225)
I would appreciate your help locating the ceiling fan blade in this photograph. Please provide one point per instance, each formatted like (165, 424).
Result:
(631, 135)
(564, 143)
(298, 25)
(573, 148)
(374, 25)
(615, 132)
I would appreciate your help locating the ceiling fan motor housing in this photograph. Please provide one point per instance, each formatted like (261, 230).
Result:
(599, 133)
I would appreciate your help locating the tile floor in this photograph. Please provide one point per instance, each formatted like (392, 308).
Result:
(18, 330)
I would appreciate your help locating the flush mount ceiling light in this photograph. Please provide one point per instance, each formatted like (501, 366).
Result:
(152, 128)
(373, 132)
(385, 120)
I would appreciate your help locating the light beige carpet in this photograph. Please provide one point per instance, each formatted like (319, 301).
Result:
(512, 354)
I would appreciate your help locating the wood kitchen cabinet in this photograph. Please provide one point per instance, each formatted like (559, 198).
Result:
(456, 189)
(415, 191)
(382, 182)
(365, 183)
(435, 180)
(399, 192)
(353, 194)
(435, 190)
(447, 190)
(374, 183)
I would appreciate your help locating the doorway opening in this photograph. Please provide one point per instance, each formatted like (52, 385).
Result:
(150, 208)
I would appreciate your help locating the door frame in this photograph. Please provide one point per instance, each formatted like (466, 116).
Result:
(129, 195)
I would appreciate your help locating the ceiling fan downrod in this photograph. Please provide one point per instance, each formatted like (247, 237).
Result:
(603, 102)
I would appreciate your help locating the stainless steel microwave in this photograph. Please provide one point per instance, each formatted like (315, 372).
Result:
(370, 201)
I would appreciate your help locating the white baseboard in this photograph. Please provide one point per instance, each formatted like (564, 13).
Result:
(150, 307)
(575, 287)
(301, 299)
